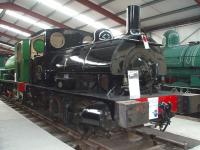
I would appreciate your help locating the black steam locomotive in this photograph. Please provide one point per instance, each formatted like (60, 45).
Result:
(71, 60)
(80, 78)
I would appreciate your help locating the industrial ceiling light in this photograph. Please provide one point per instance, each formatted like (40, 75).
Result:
(73, 13)
(6, 45)
(15, 30)
(27, 19)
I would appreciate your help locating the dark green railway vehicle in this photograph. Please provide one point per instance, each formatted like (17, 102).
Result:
(7, 72)
(183, 61)
(3, 60)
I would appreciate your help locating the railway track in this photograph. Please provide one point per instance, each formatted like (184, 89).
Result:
(116, 140)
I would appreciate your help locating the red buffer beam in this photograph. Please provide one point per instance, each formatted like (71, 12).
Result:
(9, 36)
(15, 7)
(102, 11)
(15, 26)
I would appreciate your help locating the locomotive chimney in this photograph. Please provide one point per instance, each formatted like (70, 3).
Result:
(133, 20)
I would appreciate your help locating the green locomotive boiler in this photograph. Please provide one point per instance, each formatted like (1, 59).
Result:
(183, 61)
(8, 70)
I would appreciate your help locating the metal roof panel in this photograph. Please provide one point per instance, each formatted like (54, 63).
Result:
(9, 19)
(26, 3)
(57, 16)
(2, 38)
(173, 17)
(42, 10)
(120, 5)
(170, 5)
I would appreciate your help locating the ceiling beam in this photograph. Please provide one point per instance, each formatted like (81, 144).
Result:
(102, 11)
(5, 54)
(150, 3)
(124, 11)
(6, 43)
(87, 10)
(2, 13)
(9, 36)
(2, 52)
(15, 26)
(172, 24)
(6, 49)
(170, 13)
(15, 7)
(198, 2)
(166, 14)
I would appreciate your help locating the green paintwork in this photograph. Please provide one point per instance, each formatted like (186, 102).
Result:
(10, 63)
(39, 45)
(3, 72)
(22, 50)
(3, 60)
(195, 80)
(183, 61)
(171, 38)
(6, 73)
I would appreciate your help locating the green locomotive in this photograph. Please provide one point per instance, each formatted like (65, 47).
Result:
(183, 61)
(7, 69)
(17, 66)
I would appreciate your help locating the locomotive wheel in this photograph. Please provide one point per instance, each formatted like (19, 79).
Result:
(55, 108)
(34, 96)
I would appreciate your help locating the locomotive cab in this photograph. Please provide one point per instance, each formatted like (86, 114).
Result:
(48, 48)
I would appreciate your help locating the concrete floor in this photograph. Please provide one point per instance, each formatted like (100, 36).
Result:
(187, 127)
(196, 148)
(18, 133)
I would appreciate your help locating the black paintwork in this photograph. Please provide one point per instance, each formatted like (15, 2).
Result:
(133, 20)
(111, 57)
